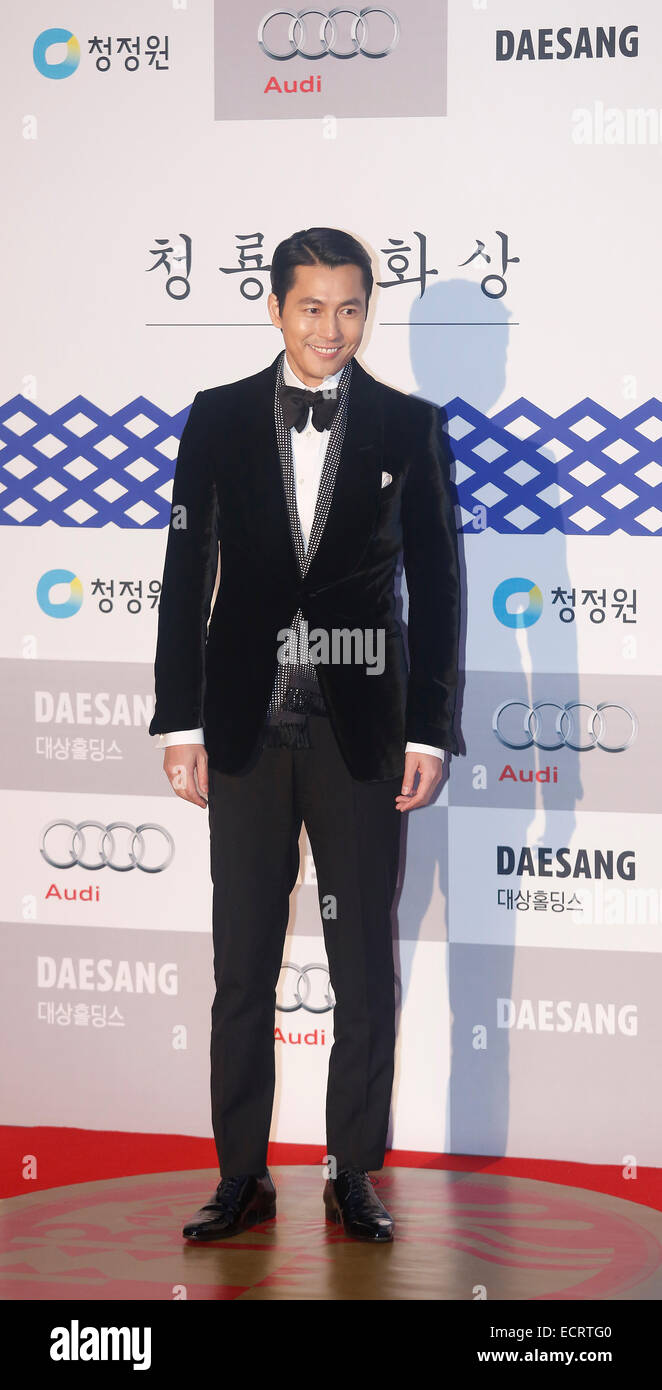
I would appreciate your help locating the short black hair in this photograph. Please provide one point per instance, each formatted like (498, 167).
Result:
(317, 246)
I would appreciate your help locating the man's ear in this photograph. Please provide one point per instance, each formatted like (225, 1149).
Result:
(274, 309)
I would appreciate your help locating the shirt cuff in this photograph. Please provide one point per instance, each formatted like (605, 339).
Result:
(197, 736)
(181, 736)
(424, 748)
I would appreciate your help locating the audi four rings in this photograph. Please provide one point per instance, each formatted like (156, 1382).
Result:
(303, 989)
(565, 728)
(296, 33)
(106, 846)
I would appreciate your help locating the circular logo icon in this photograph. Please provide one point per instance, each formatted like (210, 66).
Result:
(65, 607)
(523, 617)
(67, 65)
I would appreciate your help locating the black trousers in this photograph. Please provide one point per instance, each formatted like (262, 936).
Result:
(354, 831)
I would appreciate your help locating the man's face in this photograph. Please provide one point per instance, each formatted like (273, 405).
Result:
(322, 319)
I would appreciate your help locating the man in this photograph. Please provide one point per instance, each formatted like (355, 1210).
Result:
(312, 477)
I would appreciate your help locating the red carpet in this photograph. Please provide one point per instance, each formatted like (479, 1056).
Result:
(65, 1156)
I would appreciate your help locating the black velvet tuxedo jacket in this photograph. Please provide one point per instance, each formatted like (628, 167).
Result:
(228, 489)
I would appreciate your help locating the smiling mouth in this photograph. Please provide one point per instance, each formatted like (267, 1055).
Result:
(325, 352)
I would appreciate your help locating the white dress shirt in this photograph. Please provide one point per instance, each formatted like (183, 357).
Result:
(308, 451)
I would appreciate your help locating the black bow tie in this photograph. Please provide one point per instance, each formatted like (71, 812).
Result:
(295, 401)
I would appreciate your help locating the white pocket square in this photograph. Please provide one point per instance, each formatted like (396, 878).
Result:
(386, 479)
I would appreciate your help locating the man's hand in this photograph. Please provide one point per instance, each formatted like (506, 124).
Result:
(185, 766)
(430, 769)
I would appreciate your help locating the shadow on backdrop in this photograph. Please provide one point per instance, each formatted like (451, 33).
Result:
(458, 347)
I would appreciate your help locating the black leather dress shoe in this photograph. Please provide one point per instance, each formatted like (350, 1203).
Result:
(351, 1201)
(236, 1204)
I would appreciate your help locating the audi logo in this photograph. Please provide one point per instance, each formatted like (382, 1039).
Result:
(566, 726)
(303, 987)
(328, 33)
(300, 989)
(106, 849)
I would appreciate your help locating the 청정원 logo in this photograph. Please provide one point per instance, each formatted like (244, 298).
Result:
(66, 606)
(526, 617)
(66, 65)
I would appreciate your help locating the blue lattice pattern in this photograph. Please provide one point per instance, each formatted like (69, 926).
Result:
(585, 472)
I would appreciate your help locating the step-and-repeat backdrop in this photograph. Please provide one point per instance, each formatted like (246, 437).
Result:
(503, 170)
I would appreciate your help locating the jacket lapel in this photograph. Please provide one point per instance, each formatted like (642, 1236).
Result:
(261, 473)
(356, 494)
